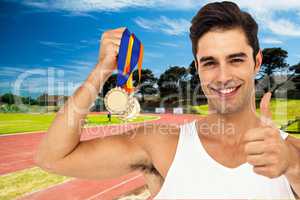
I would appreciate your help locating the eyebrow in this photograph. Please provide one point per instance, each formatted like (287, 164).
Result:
(240, 54)
(206, 58)
(211, 58)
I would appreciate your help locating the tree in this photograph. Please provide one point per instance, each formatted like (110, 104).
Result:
(296, 76)
(196, 92)
(8, 98)
(43, 99)
(171, 81)
(274, 59)
(147, 83)
(29, 100)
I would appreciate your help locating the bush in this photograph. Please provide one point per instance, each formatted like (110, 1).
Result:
(9, 108)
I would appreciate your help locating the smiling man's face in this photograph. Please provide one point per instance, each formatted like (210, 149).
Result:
(227, 69)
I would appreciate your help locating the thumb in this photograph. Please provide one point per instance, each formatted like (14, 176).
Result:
(266, 114)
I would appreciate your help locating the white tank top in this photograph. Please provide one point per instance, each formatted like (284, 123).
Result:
(193, 174)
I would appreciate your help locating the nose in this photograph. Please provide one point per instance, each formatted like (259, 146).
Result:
(224, 74)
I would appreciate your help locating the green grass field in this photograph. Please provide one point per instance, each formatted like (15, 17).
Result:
(25, 181)
(282, 110)
(19, 122)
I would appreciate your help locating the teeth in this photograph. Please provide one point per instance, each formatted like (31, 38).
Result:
(226, 91)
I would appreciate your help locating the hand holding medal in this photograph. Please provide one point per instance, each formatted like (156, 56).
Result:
(120, 100)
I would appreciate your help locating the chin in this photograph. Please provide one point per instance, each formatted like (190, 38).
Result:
(227, 109)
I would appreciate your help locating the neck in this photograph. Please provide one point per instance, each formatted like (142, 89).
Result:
(232, 127)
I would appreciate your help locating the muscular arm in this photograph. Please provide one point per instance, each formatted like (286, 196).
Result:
(61, 150)
(293, 174)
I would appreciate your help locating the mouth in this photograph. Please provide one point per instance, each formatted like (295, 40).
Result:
(226, 92)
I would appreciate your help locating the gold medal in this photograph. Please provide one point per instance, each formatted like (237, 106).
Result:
(118, 101)
(135, 111)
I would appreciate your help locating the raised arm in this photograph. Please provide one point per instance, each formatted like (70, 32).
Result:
(61, 150)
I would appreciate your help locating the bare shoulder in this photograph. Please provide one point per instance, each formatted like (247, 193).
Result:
(160, 143)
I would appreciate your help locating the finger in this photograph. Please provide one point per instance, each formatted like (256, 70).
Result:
(254, 148)
(116, 48)
(112, 40)
(116, 30)
(110, 37)
(256, 134)
(120, 29)
(266, 170)
(262, 170)
(257, 160)
(266, 114)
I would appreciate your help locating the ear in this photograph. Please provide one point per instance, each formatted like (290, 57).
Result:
(258, 61)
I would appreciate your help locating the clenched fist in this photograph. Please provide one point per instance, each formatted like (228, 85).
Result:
(269, 154)
(109, 49)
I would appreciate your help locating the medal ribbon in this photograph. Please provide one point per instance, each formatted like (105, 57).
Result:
(130, 54)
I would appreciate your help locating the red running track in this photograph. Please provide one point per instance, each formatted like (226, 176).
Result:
(89, 189)
(17, 151)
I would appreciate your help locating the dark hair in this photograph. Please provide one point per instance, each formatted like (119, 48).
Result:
(223, 15)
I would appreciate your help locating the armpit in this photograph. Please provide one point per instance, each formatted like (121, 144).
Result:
(152, 177)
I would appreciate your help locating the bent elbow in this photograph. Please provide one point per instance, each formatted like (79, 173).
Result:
(44, 163)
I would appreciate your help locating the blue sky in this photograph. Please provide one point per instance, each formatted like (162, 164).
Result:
(51, 46)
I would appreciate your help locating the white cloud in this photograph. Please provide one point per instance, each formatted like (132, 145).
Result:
(110, 5)
(268, 14)
(86, 5)
(153, 55)
(165, 25)
(83, 63)
(269, 5)
(56, 45)
(80, 14)
(169, 44)
(270, 40)
(115, 5)
(62, 46)
(283, 27)
(7, 71)
(88, 42)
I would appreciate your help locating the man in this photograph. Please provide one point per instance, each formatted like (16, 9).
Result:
(109, 116)
(244, 157)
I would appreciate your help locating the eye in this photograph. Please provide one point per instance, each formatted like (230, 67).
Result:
(209, 64)
(236, 60)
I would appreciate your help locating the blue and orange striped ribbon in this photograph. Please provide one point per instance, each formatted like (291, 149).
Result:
(130, 54)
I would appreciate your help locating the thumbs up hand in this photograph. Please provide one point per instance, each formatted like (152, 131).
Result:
(265, 149)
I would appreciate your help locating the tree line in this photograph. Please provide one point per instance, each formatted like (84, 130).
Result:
(179, 84)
